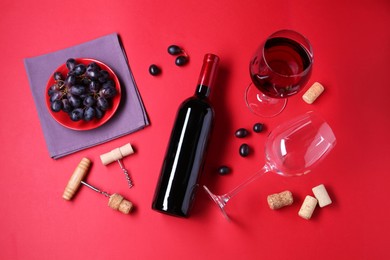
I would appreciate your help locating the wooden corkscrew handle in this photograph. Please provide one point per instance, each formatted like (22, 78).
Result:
(76, 178)
(116, 154)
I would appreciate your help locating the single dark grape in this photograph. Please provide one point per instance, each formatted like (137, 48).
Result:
(154, 70)
(102, 103)
(94, 86)
(77, 90)
(89, 114)
(223, 170)
(244, 150)
(241, 133)
(258, 127)
(56, 95)
(76, 114)
(107, 92)
(79, 69)
(103, 76)
(108, 83)
(93, 65)
(50, 92)
(66, 106)
(181, 60)
(71, 64)
(56, 105)
(70, 80)
(57, 76)
(74, 101)
(89, 101)
(92, 73)
(174, 50)
(99, 113)
(53, 89)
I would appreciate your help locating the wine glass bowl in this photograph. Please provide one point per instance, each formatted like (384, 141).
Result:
(292, 149)
(280, 67)
(295, 147)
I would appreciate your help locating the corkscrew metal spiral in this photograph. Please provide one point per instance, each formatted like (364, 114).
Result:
(129, 181)
(116, 155)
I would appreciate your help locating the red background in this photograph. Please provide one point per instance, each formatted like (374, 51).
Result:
(351, 41)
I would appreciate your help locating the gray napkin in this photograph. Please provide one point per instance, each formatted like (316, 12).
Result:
(130, 116)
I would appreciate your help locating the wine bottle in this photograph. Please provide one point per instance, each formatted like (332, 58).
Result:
(185, 154)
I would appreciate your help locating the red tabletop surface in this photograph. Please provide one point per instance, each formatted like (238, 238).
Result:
(351, 42)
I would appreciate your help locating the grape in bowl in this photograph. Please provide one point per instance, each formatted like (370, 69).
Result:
(83, 94)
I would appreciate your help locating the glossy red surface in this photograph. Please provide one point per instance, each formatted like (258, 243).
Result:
(351, 43)
(63, 118)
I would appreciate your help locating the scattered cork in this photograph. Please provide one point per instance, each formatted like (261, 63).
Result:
(280, 200)
(307, 208)
(313, 93)
(321, 195)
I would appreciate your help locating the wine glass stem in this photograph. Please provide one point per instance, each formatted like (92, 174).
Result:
(226, 197)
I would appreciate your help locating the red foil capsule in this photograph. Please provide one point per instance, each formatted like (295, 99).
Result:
(208, 74)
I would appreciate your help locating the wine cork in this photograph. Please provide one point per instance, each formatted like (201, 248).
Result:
(280, 200)
(313, 93)
(116, 154)
(76, 178)
(114, 201)
(117, 202)
(125, 207)
(321, 195)
(307, 208)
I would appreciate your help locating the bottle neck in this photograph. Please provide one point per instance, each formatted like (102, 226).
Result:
(202, 91)
(207, 75)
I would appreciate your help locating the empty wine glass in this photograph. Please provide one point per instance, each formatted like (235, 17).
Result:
(292, 149)
(281, 66)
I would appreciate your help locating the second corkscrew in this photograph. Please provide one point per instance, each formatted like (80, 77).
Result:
(118, 154)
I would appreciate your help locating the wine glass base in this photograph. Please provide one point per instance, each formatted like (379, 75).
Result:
(218, 200)
(262, 105)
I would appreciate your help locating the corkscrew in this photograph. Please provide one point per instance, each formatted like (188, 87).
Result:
(116, 201)
(116, 155)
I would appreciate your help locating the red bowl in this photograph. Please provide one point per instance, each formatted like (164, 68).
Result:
(64, 119)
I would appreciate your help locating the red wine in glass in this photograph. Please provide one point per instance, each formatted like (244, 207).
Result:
(280, 68)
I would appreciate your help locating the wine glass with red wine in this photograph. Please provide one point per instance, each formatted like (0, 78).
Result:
(281, 67)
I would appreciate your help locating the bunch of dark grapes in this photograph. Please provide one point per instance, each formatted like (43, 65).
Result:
(85, 93)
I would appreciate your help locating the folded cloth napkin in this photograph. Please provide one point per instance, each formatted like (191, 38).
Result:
(130, 116)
